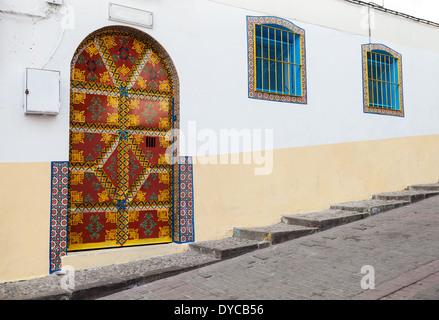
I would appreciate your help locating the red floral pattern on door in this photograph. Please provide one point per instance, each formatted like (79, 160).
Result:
(121, 107)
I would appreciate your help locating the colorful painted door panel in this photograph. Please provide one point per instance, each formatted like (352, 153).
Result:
(121, 107)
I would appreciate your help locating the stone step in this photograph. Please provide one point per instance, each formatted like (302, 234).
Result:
(325, 219)
(274, 234)
(228, 247)
(427, 186)
(372, 206)
(412, 195)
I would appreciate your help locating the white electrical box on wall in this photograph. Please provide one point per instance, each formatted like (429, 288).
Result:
(42, 94)
(130, 15)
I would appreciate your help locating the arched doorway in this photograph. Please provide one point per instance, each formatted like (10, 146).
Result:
(123, 100)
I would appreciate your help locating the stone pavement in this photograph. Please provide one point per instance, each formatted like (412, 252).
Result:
(399, 250)
(90, 283)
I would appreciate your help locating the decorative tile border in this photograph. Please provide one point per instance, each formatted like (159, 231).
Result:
(184, 223)
(58, 215)
(252, 93)
(183, 216)
(365, 48)
(59, 198)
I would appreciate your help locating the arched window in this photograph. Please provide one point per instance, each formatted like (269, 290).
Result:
(276, 57)
(382, 78)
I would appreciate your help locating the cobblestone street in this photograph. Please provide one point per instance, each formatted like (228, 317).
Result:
(401, 248)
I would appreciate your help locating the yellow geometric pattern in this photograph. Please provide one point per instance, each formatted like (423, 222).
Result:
(77, 137)
(92, 50)
(111, 217)
(111, 235)
(79, 97)
(75, 237)
(76, 197)
(138, 46)
(109, 42)
(77, 178)
(123, 70)
(164, 195)
(112, 118)
(163, 214)
(78, 75)
(76, 218)
(104, 77)
(164, 178)
(164, 232)
(78, 116)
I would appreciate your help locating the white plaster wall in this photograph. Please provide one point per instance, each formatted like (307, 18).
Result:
(334, 113)
(208, 43)
(29, 41)
(344, 16)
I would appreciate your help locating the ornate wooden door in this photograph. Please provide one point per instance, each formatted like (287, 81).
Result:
(121, 107)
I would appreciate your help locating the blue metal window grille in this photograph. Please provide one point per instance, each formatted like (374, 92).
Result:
(278, 61)
(383, 80)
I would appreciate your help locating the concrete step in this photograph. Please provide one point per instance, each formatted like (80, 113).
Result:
(274, 234)
(427, 186)
(412, 195)
(325, 219)
(372, 206)
(228, 247)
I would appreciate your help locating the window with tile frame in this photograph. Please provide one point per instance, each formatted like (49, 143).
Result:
(382, 80)
(276, 57)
